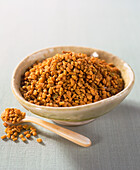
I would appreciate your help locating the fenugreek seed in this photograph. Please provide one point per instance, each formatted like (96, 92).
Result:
(26, 132)
(21, 136)
(3, 137)
(25, 126)
(8, 136)
(39, 140)
(61, 103)
(32, 129)
(89, 96)
(5, 124)
(34, 133)
(27, 74)
(14, 139)
(31, 132)
(10, 132)
(23, 139)
(28, 127)
(15, 134)
(6, 129)
(28, 135)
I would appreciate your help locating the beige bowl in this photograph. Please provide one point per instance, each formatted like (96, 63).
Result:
(75, 115)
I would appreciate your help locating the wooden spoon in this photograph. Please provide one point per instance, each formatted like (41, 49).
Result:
(65, 133)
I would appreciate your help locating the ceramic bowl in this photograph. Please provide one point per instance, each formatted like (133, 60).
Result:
(76, 115)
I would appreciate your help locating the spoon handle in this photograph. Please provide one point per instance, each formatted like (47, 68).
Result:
(65, 133)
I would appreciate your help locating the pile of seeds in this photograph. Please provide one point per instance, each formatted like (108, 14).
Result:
(13, 115)
(70, 79)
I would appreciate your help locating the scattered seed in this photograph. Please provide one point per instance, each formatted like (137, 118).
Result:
(21, 136)
(34, 133)
(26, 132)
(39, 140)
(3, 137)
(5, 124)
(15, 134)
(14, 139)
(25, 126)
(28, 135)
(23, 139)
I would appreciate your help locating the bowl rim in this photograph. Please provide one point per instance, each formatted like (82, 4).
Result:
(15, 90)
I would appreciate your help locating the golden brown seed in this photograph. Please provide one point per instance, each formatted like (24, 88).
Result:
(15, 134)
(61, 103)
(14, 139)
(21, 136)
(28, 127)
(23, 139)
(3, 137)
(27, 74)
(39, 140)
(18, 119)
(5, 124)
(8, 135)
(26, 132)
(89, 96)
(34, 133)
(28, 135)
(10, 132)
(6, 129)
(32, 129)
(25, 126)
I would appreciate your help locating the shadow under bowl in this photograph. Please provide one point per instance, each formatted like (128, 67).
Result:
(76, 115)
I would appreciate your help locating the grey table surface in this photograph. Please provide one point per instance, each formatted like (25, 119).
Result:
(114, 26)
